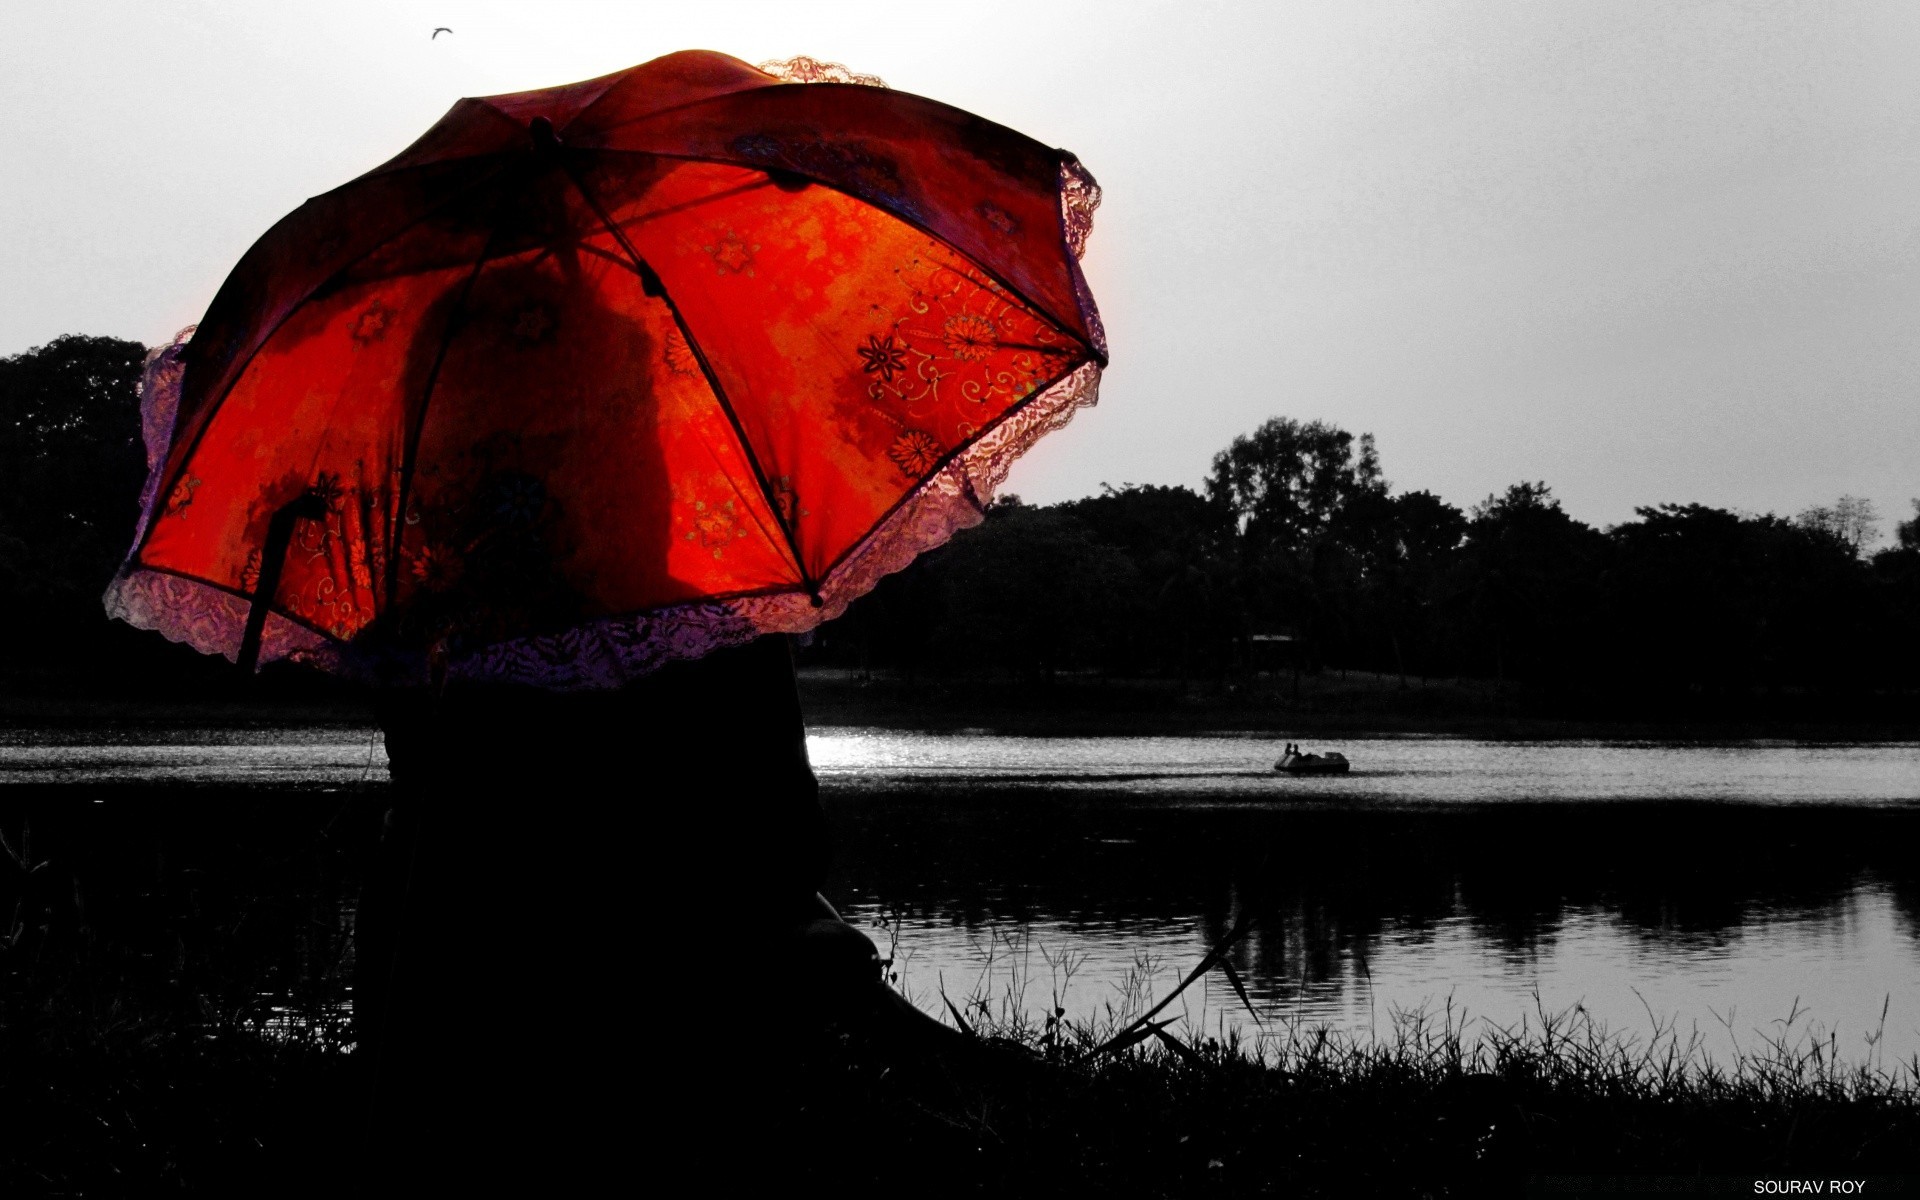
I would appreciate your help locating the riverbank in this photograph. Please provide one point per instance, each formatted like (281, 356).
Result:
(1330, 702)
(146, 1102)
(172, 1019)
(1559, 1108)
(1313, 705)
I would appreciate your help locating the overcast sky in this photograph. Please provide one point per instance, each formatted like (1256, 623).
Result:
(1646, 252)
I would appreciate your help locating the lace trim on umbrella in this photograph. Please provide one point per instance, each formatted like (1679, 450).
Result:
(1079, 196)
(801, 69)
(615, 651)
(159, 401)
(211, 620)
(609, 653)
(612, 652)
(956, 497)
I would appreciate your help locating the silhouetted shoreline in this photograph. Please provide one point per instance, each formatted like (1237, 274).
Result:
(1253, 603)
(171, 1018)
(1328, 703)
(1331, 703)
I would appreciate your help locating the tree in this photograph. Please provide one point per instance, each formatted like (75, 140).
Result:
(70, 452)
(1851, 520)
(1035, 590)
(1287, 482)
(1300, 495)
(1907, 533)
(1686, 611)
(1897, 576)
(1417, 550)
(1178, 541)
(1531, 571)
(1153, 523)
(1427, 530)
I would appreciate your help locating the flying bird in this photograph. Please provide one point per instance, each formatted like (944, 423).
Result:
(437, 31)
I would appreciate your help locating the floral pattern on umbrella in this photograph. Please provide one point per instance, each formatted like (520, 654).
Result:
(598, 377)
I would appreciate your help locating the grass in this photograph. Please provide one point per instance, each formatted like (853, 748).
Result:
(153, 1104)
(171, 988)
(1137, 1102)
(171, 1024)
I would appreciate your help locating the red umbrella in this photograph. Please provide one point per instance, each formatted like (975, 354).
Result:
(604, 375)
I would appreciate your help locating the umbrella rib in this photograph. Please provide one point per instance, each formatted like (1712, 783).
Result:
(650, 281)
(904, 219)
(238, 594)
(398, 519)
(227, 589)
(210, 408)
(949, 458)
(686, 205)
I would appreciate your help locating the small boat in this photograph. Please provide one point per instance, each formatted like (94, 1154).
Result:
(1293, 762)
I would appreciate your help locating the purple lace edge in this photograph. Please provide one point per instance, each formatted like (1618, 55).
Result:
(610, 652)
(613, 651)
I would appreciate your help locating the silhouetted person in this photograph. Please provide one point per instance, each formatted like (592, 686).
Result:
(587, 888)
(579, 893)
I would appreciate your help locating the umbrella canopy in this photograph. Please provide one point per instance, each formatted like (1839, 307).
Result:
(604, 375)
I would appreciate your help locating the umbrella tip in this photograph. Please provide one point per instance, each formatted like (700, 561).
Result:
(544, 138)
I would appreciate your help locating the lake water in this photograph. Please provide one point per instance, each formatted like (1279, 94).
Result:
(1717, 888)
(1400, 771)
(1721, 887)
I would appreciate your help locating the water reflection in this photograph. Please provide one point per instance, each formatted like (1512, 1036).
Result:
(1716, 884)
(1721, 917)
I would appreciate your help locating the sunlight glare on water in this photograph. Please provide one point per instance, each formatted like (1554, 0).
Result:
(1731, 956)
(944, 834)
(1399, 770)
(318, 755)
(1416, 770)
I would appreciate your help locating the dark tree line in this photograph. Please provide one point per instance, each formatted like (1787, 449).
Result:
(71, 457)
(1295, 553)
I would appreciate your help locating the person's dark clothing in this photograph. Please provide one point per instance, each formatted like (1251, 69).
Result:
(570, 892)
